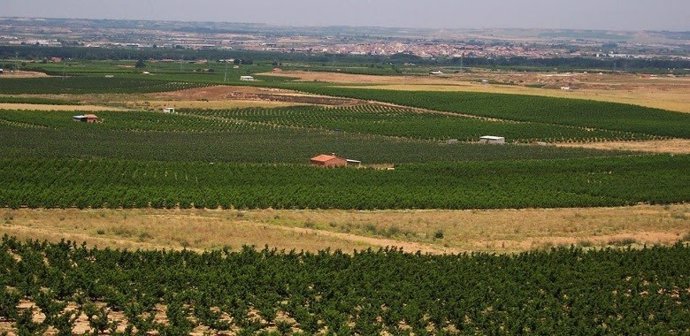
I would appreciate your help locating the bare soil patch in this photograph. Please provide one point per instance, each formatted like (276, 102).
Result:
(674, 146)
(23, 74)
(432, 231)
(208, 104)
(246, 93)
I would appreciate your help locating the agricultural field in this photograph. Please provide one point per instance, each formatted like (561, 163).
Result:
(413, 133)
(668, 92)
(415, 124)
(533, 237)
(272, 292)
(77, 85)
(462, 185)
(184, 137)
(581, 113)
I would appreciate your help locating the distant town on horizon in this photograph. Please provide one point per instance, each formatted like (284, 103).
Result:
(345, 40)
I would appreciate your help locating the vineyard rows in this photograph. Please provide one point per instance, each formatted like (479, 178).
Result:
(172, 137)
(572, 112)
(81, 85)
(464, 185)
(35, 100)
(402, 122)
(249, 292)
(125, 122)
(361, 119)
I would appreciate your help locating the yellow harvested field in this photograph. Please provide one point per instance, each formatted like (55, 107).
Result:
(432, 231)
(49, 107)
(673, 146)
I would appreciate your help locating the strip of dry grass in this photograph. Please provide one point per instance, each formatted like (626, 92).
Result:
(673, 146)
(433, 231)
(154, 229)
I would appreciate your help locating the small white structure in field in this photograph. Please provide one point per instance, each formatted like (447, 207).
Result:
(351, 162)
(169, 110)
(437, 73)
(565, 88)
(490, 139)
(109, 76)
(246, 78)
(146, 73)
(87, 118)
(2, 71)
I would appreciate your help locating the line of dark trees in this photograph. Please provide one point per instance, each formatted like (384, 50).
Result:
(623, 64)
(83, 53)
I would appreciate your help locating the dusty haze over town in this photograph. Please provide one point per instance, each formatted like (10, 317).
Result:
(584, 14)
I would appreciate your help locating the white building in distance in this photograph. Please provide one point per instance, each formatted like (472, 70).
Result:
(490, 139)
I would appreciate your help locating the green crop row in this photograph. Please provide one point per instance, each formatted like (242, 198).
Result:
(402, 122)
(499, 184)
(35, 100)
(573, 112)
(362, 119)
(80, 85)
(172, 137)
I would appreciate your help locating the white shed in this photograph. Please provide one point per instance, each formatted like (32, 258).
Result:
(246, 78)
(490, 139)
(169, 110)
(351, 162)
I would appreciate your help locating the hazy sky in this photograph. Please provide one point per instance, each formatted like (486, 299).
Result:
(585, 14)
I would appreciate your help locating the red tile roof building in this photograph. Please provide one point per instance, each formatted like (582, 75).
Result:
(324, 160)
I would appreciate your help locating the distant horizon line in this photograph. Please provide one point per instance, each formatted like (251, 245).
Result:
(349, 26)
